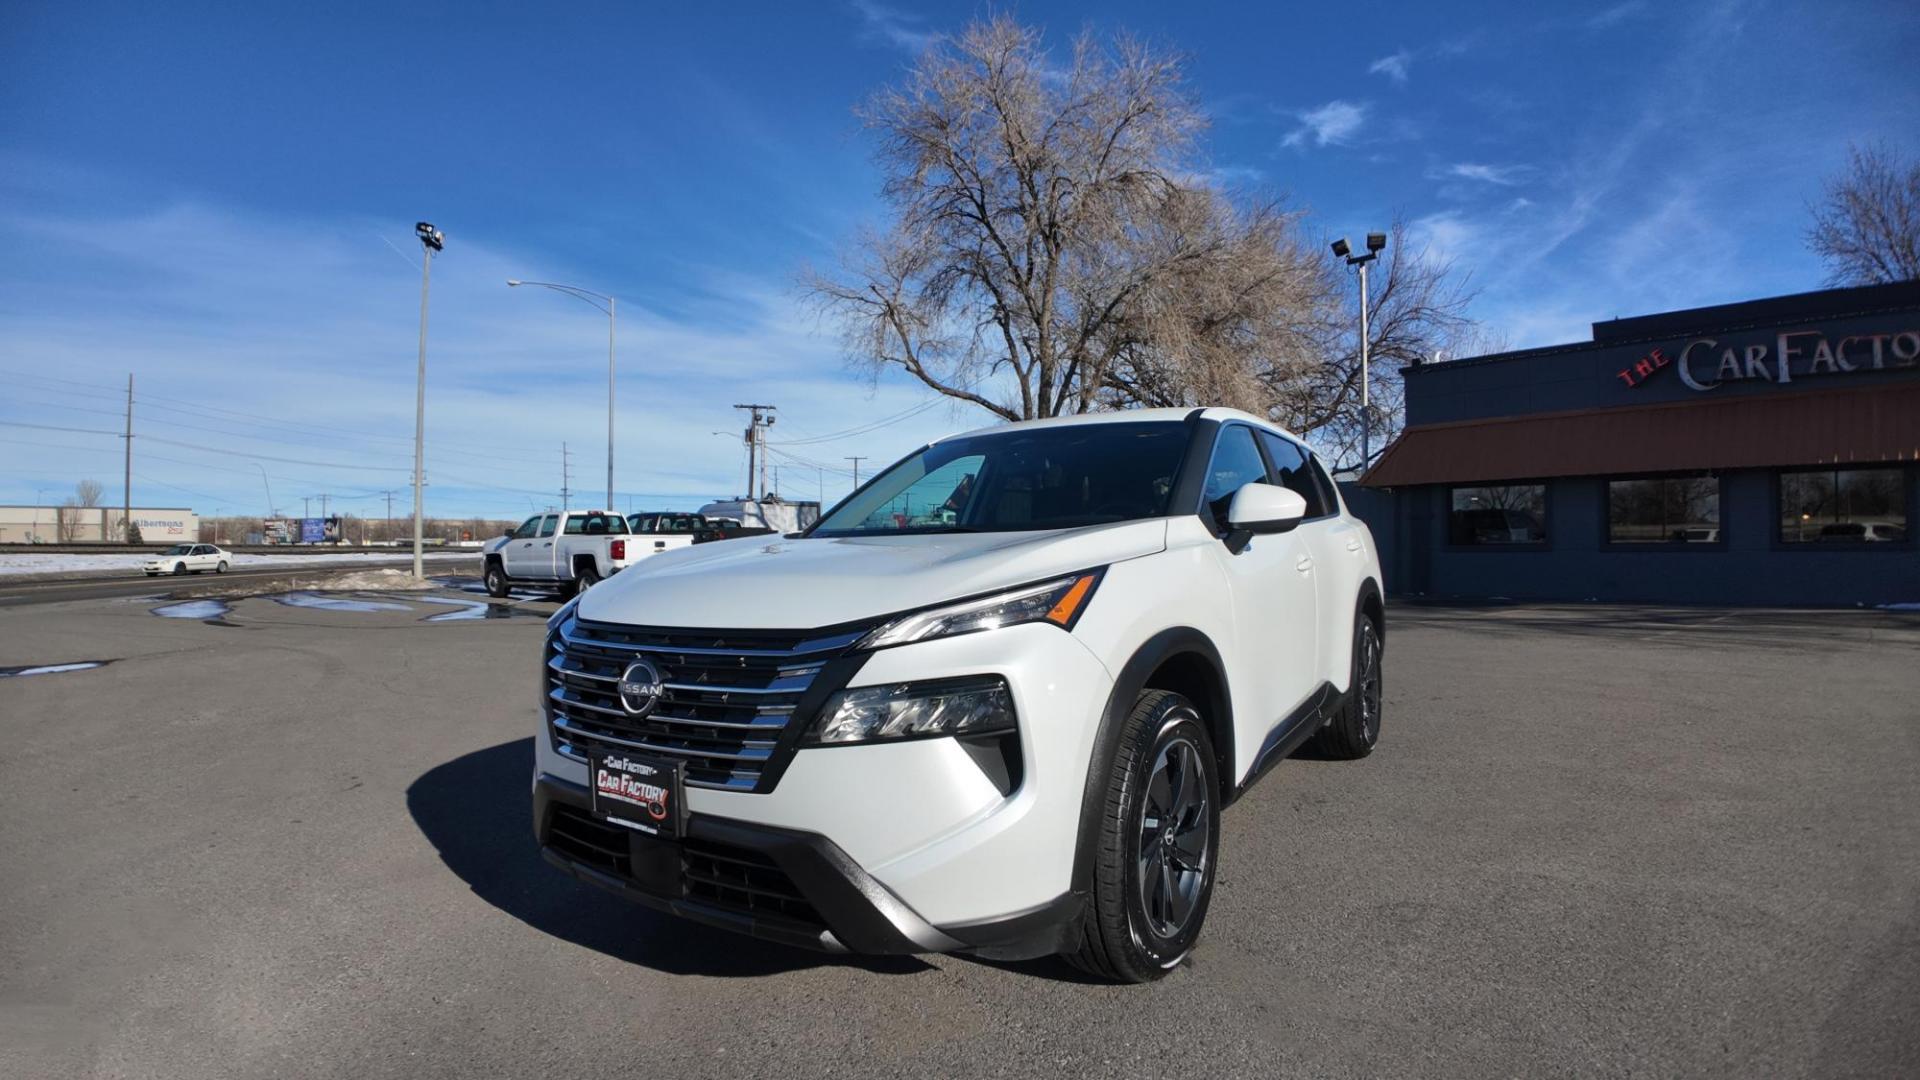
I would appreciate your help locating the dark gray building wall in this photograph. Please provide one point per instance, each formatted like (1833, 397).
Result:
(1750, 566)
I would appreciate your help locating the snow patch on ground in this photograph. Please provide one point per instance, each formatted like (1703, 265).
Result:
(360, 580)
(1900, 607)
(27, 565)
(334, 603)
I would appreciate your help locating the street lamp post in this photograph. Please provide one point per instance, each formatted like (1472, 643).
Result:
(594, 299)
(1376, 242)
(431, 240)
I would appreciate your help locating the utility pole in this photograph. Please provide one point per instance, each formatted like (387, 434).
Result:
(757, 460)
(323, 504)
(431, 240)
(126, 487)
(856, 459)
(306, 506)
(389, 496)
(566, 477)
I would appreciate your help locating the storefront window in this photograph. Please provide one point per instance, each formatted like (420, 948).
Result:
(1846, 506)
(1664, 510)
(1498, 514)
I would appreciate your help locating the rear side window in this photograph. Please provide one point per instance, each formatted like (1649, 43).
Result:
(595, 525)
(1292, 470)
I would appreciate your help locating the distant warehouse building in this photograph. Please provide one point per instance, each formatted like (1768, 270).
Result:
(78, 524)
(1753, 453)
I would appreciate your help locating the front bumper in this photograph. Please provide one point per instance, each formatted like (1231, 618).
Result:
(935, 834)
(782, 885)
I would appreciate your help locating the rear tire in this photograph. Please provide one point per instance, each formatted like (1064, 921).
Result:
(1158, 846)
(496, 581)
(585, 577)
(1355, 729)
(222, 568)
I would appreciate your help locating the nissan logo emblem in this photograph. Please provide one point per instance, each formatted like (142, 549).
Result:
(640, 688)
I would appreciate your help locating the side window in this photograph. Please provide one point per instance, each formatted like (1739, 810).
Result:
(547, 524)
(1236, 463)
(527, 528)
(1292, 471)
(1326, 484)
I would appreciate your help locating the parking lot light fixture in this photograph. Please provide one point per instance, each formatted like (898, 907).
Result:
(1376, 243)
(606, 305)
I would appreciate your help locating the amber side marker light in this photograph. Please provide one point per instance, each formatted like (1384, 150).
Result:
(1062, 612)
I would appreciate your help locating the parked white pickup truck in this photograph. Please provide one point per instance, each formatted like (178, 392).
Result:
(574, 550)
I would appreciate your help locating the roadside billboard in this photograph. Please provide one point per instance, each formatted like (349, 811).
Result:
(312, 530)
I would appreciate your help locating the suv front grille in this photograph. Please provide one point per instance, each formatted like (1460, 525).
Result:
(729, 695)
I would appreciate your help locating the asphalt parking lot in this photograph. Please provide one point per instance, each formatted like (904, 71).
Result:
(1594, 841)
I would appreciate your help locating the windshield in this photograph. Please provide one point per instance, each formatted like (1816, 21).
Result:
(178, 549)
(1021, 479)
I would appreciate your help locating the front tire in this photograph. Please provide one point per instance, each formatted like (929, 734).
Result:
(179, 568)
(1355, 729)
(1158, 846)
(496, 580)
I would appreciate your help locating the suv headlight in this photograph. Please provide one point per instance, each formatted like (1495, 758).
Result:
(1059, 601)
(980, 705)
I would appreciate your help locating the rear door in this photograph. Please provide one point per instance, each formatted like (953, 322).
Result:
(1334, 542)
(1275, 606)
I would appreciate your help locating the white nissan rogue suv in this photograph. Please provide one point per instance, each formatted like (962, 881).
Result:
(994, 702)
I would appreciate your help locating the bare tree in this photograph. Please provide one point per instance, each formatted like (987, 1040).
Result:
(1053, 250)
(87, 493)
(1866, 227)
(1031, 209)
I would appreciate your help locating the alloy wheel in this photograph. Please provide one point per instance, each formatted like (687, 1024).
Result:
(1175, 834)
(1369, 682)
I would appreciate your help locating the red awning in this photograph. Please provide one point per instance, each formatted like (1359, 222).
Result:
(1820, 427)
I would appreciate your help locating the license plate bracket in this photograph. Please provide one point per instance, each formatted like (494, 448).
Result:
(638, 792)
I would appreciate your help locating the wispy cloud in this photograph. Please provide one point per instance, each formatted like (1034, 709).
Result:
(1393, 67)
(1615, 15)
(1335, 124)
(325, 343)
(897, 28)
(1500, 175)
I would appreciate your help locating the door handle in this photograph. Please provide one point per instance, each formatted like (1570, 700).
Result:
(1305, 564)
(547, 544)
(1353, 545)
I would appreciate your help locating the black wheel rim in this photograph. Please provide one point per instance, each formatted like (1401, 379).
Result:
(1175, 834)
(1369, 682)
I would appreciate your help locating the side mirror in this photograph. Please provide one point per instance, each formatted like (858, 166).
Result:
(508, 534)
(1264, 508)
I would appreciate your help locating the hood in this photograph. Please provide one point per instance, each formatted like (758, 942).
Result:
(759, 582)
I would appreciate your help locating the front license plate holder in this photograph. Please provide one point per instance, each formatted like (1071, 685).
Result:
(638, 792)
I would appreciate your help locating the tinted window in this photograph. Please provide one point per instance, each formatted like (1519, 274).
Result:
(1664, 510)
(547, 524)
(1498, 514)
(1291, 471)
(1326, 485)
(527, 528)
(1016, 479)
(1845, 506)
(1236, 463)
(595, 525)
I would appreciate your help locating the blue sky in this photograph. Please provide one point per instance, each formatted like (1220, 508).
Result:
(220, 199)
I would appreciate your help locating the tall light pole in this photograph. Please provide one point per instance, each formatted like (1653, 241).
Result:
(431, 240)
(1376, 242)
(605, 304)
(269, 487)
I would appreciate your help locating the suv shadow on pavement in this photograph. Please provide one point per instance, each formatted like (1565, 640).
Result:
(477, 810)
